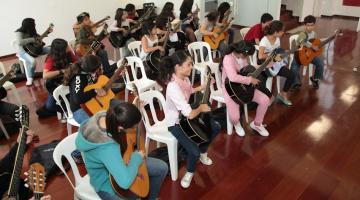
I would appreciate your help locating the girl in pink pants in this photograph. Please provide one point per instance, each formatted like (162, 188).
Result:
(232, 64)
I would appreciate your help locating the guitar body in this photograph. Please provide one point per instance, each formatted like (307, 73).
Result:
(82, 49)
(118, 39)
(215, 42)
(241, 93)
(97, 103)
(34, 49)
(141, 185)
(154, 59)
(306, 55)
(197, 128)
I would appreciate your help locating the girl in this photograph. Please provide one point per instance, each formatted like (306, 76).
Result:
(188, 26)
(56, 62)
(175, 70)
(223, 8)
(149, 43)
(208, 26)
(177, 40)
(102, 139)
(27, 34)
(271, 41)
(121, 25)
(233, 62)
(77, 77)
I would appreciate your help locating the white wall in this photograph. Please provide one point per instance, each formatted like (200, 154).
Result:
(335, 7)
(62, 13)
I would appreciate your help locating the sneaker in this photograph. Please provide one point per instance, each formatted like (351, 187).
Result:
(29, 82)
(260, 129)
(239, 129)
(186, 179)
(283, 100)
(204, 159)
(314, 82)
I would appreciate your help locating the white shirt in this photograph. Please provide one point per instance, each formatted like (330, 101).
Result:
(113, 26)
(151, 43)
(175, 103)
(268, 46)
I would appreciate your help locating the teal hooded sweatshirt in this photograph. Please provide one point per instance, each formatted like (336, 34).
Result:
(102, 157)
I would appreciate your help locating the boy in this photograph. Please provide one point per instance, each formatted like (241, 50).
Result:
(305, 37)
(256, 32)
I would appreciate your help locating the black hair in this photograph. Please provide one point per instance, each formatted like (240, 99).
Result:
(185, 8)
(223, 7)
(309, 19)
(58, 52)
(147, 27)
(89, 63)
(266, 17)
(243, 47)
(28, 27)
(130, 7)
(81, 17)
(167, 10)
(167, 64)
(212, 16)
(124, 114)
(275, 26)
(118, 16)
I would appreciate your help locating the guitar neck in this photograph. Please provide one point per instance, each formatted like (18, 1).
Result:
(166, 39)
(257, 72)
(206, 95)
(99, 22)
(14, 184)
(327, 40)
(38, 196)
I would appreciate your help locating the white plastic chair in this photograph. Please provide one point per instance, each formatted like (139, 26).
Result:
(218, 95)
(121, 53)
(196, 50)
(198, 35)
(292, 41)
(135, 48)
(60, 93)
(243, 32)
(82, 187)
(9, 85)
(159, 130)
(143, 83)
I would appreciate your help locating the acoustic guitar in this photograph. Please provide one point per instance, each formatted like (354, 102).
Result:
(306, 54)
(35, 49)
(98, 103)
(12, 193)
(242, 93)
(83, 49)
(222, 35)
(141, 185)
(36, 180)
(197, 129)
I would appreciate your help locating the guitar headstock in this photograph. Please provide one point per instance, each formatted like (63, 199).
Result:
(338, 32)
(36, 178)
(51, 28)
(122, 67)
(22, 115)
(168, 24)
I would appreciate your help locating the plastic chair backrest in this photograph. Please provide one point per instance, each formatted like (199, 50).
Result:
(148, 98)
(134, 62)
(2, 69)
(65, 148)
(196, 50)
(59, 93)
(243, 32)
(292, 42)
(135, 48)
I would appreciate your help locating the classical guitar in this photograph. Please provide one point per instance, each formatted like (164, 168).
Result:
(242, 93)
(5, 78)
(35, 49)
(141, 185)
(197, 129)
(84, 49)
(12, 193)
(36, 180)
(222, 35)
(306, 54)
(118, 39)
(98, 103)
(155, 57)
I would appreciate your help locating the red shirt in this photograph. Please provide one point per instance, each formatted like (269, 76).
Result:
(254, 32)
(49, 63)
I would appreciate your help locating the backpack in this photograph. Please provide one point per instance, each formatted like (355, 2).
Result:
(162, 154)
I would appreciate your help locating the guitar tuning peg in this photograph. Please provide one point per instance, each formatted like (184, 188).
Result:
(26, 185)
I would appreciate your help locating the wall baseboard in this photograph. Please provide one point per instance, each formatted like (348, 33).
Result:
(8, 56)
(341, 17)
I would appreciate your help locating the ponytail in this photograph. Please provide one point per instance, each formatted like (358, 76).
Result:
(71, 71)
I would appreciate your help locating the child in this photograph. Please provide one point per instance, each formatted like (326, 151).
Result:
(304, 37)
(256, 33)
(175, 70)
(234, 60)
(271, 41)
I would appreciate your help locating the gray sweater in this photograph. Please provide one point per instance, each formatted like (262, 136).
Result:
(23, 39)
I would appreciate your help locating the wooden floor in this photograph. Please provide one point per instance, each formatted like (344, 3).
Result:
(313, 151)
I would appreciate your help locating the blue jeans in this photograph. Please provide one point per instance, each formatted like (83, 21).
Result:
(192, 149)
(103, 56)
(157, 170)
(50, 103)
(319, 69)
(30, 62)
(80, 115)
